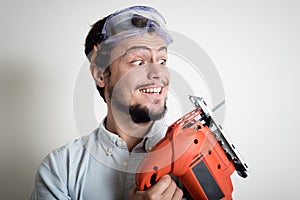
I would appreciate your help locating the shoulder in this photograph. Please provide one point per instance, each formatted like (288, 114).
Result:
(55, 176)
(71, 152)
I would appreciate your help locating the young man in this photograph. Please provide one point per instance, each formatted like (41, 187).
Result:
(128, 53)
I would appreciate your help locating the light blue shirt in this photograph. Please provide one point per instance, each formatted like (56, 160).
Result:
(93, 167)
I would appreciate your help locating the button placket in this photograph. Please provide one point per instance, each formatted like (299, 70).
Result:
(125, 164)
(109, 150)
(119, 143)
(149, 148)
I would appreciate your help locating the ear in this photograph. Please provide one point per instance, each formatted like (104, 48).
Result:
(97, 74)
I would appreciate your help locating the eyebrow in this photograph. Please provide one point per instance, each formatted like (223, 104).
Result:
(163, 48)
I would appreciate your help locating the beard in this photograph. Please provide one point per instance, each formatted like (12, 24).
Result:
(137, 112)
(140, 114)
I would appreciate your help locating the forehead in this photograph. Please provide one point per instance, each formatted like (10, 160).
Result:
(150, 40)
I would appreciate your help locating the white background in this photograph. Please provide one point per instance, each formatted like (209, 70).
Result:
(253, 44)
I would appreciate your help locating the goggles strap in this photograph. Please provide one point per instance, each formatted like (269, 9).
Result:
(94, 55)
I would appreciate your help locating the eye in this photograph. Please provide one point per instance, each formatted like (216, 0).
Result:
(162, 61)
(137, 62)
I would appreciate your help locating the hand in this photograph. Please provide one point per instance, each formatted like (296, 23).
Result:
(164, 189)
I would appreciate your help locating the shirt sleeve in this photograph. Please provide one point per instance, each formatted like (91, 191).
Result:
(50, 180)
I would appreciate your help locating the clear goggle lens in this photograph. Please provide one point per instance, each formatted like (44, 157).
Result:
(134, 21)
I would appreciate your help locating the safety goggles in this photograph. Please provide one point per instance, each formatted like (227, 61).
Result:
(134, 21)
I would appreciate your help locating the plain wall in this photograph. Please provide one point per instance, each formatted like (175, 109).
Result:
(253, 44)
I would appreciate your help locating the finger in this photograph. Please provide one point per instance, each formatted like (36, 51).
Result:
(162, 184)
(170, 190)
(132, 193)
(178, 194)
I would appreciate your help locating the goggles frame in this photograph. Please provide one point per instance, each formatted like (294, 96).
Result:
(132, 21)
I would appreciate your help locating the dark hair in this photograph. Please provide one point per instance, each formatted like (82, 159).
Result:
(94, 38)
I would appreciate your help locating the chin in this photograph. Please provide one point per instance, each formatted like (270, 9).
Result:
(144, 114)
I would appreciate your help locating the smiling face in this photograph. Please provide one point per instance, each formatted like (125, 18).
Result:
(139, 79)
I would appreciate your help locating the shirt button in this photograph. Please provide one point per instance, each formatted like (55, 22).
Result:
(119, 143)
(109, 150)
(124, 164)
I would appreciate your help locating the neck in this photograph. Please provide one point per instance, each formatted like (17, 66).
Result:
(123, 126)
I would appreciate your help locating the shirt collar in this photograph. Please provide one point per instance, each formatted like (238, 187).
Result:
(109, 141)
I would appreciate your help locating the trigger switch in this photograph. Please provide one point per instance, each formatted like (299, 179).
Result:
(153, 179)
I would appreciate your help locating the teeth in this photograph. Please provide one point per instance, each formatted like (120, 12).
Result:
(151, 90)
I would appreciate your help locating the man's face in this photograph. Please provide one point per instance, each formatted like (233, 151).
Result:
(139, 78)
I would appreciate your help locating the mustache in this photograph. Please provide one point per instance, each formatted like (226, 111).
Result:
(163, 83)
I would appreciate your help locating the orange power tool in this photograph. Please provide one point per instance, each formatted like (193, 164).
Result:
(197, 150)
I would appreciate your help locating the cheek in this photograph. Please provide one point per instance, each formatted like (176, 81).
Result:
(166, 73)
(124, 86)
(132, 78)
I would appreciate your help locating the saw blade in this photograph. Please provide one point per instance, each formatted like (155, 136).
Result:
(228, 147)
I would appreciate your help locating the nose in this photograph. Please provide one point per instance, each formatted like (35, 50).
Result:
(156, 71)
